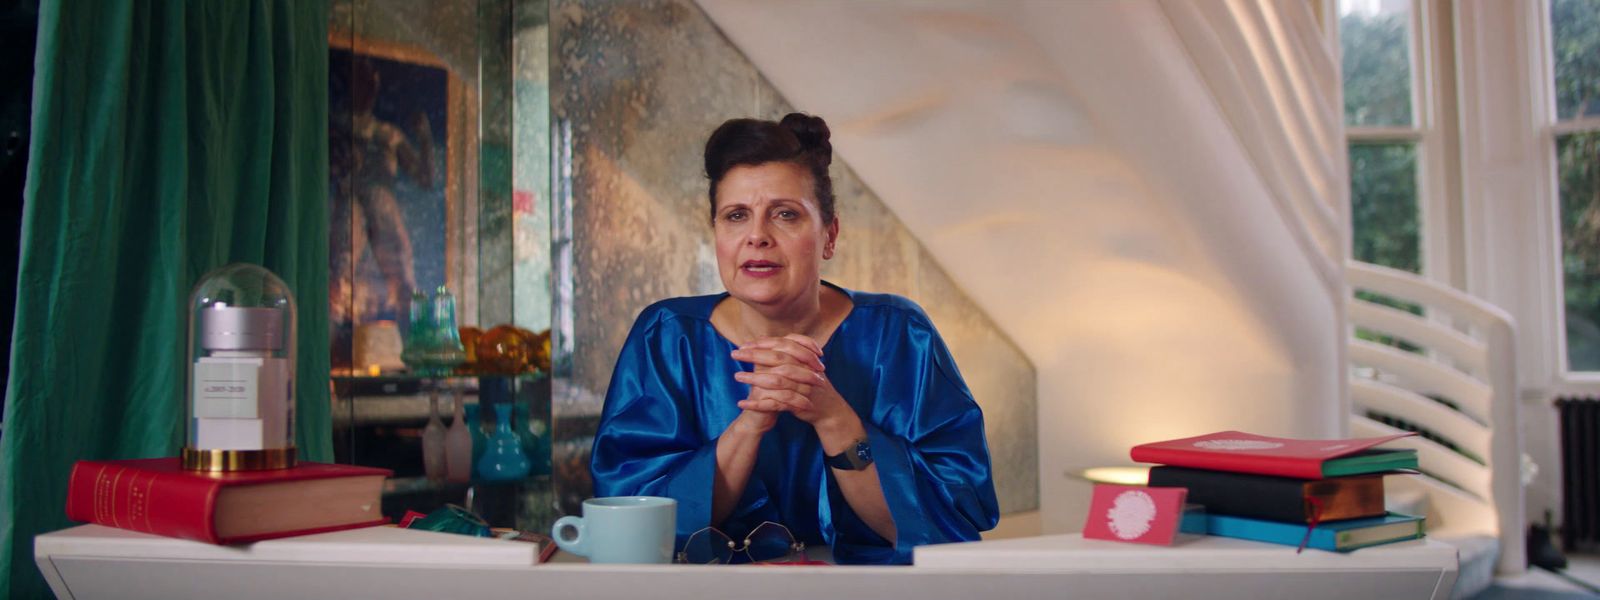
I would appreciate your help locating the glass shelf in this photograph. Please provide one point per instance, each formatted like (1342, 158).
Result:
(398, 377)
(413, 485)
(410, 384)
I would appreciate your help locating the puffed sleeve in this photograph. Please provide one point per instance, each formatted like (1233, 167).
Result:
(649, 441)
(927, 438)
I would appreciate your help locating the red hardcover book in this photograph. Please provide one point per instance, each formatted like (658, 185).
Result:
(156, 495)
(1242, 452)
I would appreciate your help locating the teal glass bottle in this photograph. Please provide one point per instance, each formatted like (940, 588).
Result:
(419, 334)
(446, 352)
(504, 459)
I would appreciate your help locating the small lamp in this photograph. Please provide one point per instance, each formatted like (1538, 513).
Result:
(1123, 475)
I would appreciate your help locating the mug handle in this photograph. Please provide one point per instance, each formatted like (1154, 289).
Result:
(575, 545)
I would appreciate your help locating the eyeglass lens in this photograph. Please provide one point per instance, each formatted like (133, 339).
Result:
(770, 541)
(708, 546)
(767, 542)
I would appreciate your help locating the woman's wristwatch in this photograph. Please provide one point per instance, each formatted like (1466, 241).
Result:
(854, 459)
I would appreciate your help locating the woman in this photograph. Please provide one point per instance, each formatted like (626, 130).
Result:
(837, 414)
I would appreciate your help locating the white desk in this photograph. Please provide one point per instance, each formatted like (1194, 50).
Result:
(91, 562)
(1214, 567)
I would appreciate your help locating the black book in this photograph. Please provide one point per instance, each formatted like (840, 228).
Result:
(1276, 498)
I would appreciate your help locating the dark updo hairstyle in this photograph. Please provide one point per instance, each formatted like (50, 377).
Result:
(799, 138)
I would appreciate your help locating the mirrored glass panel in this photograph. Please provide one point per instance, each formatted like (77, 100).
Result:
(439, 252)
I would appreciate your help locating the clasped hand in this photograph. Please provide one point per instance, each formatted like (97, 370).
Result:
(789, 377)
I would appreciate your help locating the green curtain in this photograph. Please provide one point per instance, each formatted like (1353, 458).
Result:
(169, 138)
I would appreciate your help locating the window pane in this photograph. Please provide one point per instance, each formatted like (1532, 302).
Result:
(1575, 41)
(1376, 39)
(1383, 205)
(1578, 163)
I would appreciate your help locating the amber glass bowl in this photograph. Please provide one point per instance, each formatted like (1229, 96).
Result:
(469, 343)
(505, 350)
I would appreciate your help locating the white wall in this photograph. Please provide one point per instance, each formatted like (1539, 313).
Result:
(1113, 210)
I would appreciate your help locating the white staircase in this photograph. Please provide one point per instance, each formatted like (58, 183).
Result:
(1451, 373)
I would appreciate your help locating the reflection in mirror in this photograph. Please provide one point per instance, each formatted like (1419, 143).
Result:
(403, 114)
(439, 184)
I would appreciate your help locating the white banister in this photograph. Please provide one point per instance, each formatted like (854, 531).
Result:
(1443, 463)
(1426, 376)
(1474, 369)
(1471, 353)
(1399, 402)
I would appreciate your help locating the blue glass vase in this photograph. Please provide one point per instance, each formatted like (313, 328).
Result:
(504, 459)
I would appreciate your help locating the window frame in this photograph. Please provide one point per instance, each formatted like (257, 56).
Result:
(1550, 126)
(1466, 165)
(1509, 221)
(1435, 145)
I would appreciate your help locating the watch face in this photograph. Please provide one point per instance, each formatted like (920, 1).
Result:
(851, 460)
(863, 455)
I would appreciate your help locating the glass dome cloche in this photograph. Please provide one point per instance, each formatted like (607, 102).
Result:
(239, 401)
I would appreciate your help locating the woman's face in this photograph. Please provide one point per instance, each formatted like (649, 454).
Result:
(771, 239)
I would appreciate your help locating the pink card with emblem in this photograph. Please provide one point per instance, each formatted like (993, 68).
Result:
(1142, 515)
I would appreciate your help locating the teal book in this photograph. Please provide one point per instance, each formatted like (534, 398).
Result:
(1337, 536)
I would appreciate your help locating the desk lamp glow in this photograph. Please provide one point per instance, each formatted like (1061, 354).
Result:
(1117, 475)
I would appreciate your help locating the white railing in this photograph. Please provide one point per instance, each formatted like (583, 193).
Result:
(1456, 380)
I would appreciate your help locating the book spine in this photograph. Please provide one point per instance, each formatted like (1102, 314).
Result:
(1239, 463)
(1288, 534)
(1236, 493)
(165, 504)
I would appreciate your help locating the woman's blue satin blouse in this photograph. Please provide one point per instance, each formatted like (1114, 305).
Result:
(673, 393)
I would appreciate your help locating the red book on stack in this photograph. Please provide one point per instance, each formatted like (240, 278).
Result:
(1241, 452)
(157, 496)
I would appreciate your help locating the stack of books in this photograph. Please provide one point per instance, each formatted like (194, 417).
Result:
(1325, 494)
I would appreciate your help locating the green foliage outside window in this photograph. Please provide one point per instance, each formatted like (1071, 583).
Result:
(1385, 217)
(1578, 164)
(1383, 205)
(1383, 212)
(1575, 50)
(1575, 37)
(1377, 69)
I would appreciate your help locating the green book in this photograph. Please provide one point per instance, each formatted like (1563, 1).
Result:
(1370, 461)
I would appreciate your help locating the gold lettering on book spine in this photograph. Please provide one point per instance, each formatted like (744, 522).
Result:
(102, 496)
(150, 492)
(114, 494)
(138, 502)
(105, 496)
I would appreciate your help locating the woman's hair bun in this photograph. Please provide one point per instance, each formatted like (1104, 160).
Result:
(813, 135)
(799, 139)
